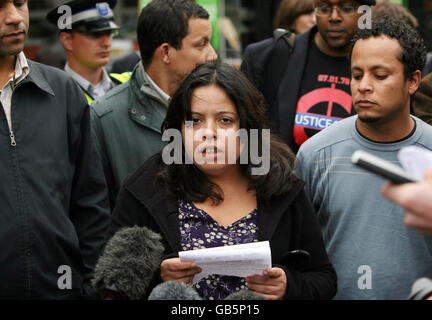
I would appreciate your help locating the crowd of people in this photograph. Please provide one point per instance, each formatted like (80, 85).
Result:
(207, 155)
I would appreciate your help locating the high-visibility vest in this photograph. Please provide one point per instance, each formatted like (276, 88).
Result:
(117, 78)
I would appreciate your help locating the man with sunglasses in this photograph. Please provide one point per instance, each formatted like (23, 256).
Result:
(314, 88)
(87, 42)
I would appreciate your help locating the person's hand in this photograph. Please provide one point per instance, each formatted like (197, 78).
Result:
(416, 198)
(180, 271)
(271, 284)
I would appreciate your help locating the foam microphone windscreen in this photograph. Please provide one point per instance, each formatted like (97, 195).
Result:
(129, 261)
(172, 290)
(245, 295)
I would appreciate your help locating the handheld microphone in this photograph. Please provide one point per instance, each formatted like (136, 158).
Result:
(421, 290)
(126, 267)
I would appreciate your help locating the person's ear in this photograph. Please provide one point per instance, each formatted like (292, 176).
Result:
(414, 82)
(66, 40)
(165, 52)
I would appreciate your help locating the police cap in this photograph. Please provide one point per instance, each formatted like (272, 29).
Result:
(86, 15)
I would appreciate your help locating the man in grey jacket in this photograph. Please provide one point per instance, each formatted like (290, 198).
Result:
(53, 202)
(174, 36)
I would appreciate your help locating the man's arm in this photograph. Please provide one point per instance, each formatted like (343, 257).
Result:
(98, 138)
(303, 169)
(89, 208)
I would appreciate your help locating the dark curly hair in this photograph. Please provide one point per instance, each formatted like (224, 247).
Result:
(413, 53)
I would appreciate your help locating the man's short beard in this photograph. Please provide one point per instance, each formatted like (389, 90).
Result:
(341, 47)
(9, 51)
(369, 119)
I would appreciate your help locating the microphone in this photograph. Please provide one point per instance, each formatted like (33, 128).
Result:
(245, 295)
(126, 267)
(172, 290)
(421, 290)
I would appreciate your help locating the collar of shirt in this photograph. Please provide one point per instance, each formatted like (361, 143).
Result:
(21, 70)
(95, 91)
(152, 89)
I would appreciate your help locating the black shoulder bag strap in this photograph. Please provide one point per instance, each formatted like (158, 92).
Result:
(275, 69)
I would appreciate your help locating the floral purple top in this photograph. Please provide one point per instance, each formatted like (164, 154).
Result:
(198, 230)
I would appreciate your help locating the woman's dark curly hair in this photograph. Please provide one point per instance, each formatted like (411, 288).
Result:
(187, 181)
(413, 53)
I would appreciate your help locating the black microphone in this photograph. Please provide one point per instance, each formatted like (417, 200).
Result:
(245, 295)
(172, 290)
(421, 290)
(127, 265)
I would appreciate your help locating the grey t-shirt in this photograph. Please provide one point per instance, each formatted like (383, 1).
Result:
(375, 255)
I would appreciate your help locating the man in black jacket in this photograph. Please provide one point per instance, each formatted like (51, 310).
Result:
(314, 91)
(53, 198)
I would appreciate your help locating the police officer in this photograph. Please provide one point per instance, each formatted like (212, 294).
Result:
(87, 36)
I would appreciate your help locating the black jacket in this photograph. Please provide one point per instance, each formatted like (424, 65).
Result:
(126, 63)
(53, 200)
(283, 106)
(289, 223)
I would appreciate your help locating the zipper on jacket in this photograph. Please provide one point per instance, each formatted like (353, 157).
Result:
(27, 251)
(12, 138)
(12, 134)
(21, 208)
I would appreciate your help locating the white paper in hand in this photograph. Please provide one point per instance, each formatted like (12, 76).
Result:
(415, 161)
(240, 260)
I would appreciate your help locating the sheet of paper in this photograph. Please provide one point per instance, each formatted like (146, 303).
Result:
(240, 260)
(415, 160)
